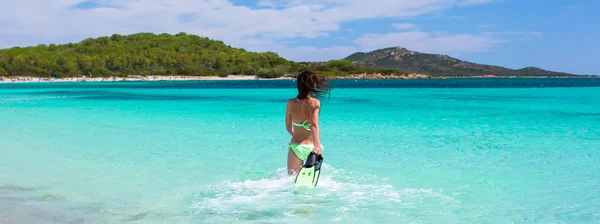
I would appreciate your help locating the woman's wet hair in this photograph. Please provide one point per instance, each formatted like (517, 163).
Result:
(311, 84)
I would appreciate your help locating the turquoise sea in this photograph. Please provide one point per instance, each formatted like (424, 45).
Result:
(403, 151)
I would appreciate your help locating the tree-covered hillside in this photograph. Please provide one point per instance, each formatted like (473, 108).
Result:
(163, 54)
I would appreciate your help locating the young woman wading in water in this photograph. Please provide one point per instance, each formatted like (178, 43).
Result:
(302, 119)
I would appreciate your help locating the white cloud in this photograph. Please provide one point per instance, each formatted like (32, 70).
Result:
(430, 42)
(301, 53)
(404, 26)
(298, 18)
(29, 22)
(441, 43)
(307, 53)
(267, 3)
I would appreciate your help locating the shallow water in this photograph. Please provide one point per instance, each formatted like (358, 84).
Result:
(406, 151)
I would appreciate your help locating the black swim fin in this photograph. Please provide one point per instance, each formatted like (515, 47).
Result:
(308, 176)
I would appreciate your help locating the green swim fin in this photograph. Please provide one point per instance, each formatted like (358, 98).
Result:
(308, 176)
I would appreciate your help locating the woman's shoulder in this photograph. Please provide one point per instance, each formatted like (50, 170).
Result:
(291, 101)
(313, 102)
(310, 101)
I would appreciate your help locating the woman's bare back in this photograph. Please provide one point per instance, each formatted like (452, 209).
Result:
(300, 114)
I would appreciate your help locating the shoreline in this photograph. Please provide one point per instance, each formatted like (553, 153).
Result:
(137, 78)
(133, 78)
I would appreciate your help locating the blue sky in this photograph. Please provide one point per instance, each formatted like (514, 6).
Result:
(551, 34)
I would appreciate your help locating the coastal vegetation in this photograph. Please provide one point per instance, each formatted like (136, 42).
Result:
(159, 55)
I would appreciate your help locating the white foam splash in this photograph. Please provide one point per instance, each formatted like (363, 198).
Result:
(339, 196)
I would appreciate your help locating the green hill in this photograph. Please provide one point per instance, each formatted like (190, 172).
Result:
(163, 54)
(437, 65)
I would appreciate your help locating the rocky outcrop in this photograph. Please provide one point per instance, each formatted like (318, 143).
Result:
(380, 76)
(437, 65)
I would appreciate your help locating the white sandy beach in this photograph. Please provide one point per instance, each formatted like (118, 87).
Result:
(27, 79)
(130, 78)
(137, 78)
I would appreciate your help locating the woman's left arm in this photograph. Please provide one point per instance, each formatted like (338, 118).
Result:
(288, 119)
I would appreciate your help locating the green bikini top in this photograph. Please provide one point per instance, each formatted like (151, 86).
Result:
(303, 124)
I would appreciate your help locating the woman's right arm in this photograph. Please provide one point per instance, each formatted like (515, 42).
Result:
(315, 108)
